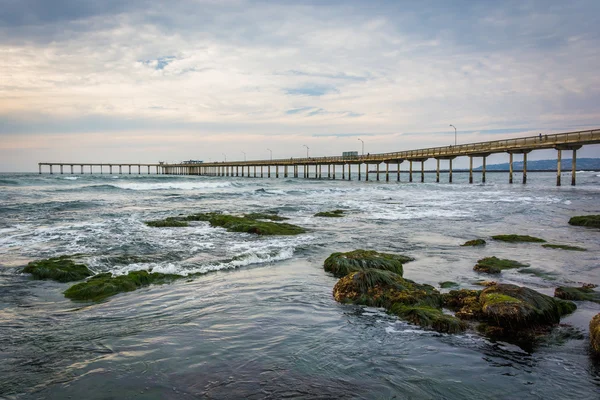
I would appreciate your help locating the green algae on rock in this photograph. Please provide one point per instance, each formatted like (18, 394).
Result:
(518, 239)
(330, 214)
(416, 303)
(583, 293)
(592, 221)
(448, 284)
(563, 247)
(474, 242)
(341, 264)
(170, 222)
(595, 335)
(105, 285)
(60, 269)
(540, 273)
(494, 265)
(270, 216)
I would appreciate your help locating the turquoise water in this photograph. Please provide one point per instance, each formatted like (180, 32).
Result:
(262, 323)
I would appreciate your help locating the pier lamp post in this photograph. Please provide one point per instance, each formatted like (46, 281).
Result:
(271, 153)
(363, 146)
(244, 155)
(306, 150)
(225, 155)
(454, 133)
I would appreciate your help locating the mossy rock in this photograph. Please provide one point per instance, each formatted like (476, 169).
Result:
(513, 308)
(518, 239)
(330, 214)
(540, 273)
(170, 222)
(416, 303)
(269, 216)
(105, 285)
(464, 302)
(341, 264)
(583, 293)
(563, 247)
(494, 265)
(591, 221)
(60, 269)
(448, 284)
(247, 224)
(474, 242)
(595, 335)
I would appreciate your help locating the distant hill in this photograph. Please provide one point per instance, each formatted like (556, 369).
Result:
(583, 164)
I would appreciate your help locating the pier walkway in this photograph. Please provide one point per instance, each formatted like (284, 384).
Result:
(312, 167)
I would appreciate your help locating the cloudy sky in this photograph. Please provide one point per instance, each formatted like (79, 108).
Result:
(149, 80)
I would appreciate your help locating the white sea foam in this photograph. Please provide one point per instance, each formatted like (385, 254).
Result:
(190, 185)
(71, 178)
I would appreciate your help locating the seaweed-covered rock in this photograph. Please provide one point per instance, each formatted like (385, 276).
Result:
(464, 302)
(595, 335)
(270, 216)
(474, 242)
(592, 221)
(563, 247)
(448, 284)
(170, 222)
(518, 238)
(341, 264)
(583, 293)
(60, 269)
(105, 285)
(413, 302)
(514, 308)
(494, 265)
(330, 214)
(247, 224)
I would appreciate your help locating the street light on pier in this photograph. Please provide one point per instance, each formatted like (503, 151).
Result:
(454, 133)
(306, 150)
(271, 153)
(363, 146)
(225, 155)
(244, 155)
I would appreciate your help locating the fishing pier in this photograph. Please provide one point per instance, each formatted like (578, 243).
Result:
(341, 166)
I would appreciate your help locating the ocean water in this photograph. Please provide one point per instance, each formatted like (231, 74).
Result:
(262, 322)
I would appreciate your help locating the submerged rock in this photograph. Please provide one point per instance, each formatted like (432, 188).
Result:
(105, 285)
(341, 264)
(60, 269)
(595, 335)
(494, 265)
(271, 216)
(448, 284)
(518, 238)
(416, 303)
(583, 293)
(170, 222)
(474, 242)
(330, 214)
(464, 302)
(563, 247)
(592, 221)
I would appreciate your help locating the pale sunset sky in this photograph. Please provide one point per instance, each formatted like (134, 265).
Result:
(148, 80)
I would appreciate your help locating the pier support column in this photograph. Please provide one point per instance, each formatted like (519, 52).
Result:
(450, 171)
(378, 170)
(71, 169)
(410, 172)
(349, 171)
(343, 172)
(470, 169)
(277, 171)
(422, 171)
(328, 171)
(101, 171)
(574, 168)
(359, 166)
(437, 172)
(387, 172)
(61, 169)
(81, 169)
(510, 168)
(255, 171)
(40, 168)
(148, 170)
(524, 168)
(261, 171)
(558, 161)
(483, 170)
(121, 170)
(367, 172)
(398, 171)
(51, 173)
(237, 170)
(139, 169)
(285, 171)
(333, 167)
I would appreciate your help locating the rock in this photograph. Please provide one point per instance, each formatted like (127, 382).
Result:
(248, 224)
(105, 285)
(518, 238)
(583, 293)
(448, 284)
(592, 221)
(494, 265)
(330, 214)
(563, 247)
(595, 335)
(60, 269)
(464, 302)
(413, 302)
(475, 242)
(341, 264)
(170, 222)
